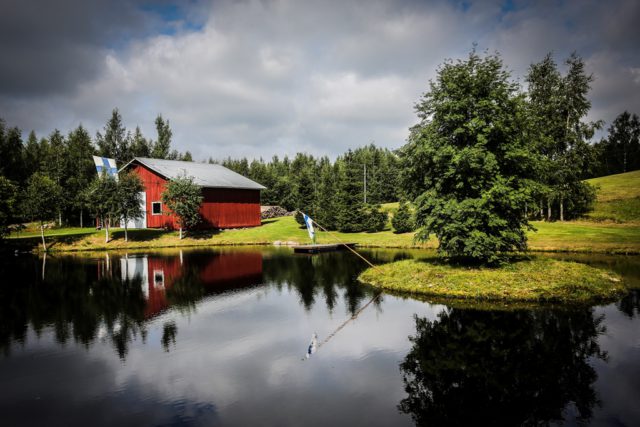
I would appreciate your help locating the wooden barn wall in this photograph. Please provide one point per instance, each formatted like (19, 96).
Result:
(230, 208)
(221, 207)
(234, 270)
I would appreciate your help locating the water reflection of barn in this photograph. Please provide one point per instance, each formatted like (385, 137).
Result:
(198, 273)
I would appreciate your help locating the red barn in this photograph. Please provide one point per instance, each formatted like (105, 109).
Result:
(230, 200)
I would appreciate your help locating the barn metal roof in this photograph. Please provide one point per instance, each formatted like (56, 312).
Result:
(204, 174)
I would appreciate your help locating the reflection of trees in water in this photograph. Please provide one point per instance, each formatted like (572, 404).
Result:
(323, 274)
(630, 303)
(169, 331)
(72, 301)
(113, 299)
(502, 368)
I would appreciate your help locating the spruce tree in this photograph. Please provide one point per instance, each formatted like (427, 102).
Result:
(162, 147)
(402, 220)
(115, 143)
(350, 215)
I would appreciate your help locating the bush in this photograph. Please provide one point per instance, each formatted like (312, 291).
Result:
(402, 221)
(375, 220)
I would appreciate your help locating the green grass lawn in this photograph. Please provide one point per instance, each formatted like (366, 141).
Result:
(568, 236)
(618, 198)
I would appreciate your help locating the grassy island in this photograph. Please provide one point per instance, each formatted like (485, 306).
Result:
(536, 280)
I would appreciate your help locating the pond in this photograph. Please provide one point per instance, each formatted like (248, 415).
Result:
(226, 337)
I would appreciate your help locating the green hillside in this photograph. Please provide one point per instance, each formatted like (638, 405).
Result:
(618, 198)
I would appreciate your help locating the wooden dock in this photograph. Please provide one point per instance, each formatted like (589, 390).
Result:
(314, 249)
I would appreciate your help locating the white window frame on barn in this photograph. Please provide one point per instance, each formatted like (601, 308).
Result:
(153, 208)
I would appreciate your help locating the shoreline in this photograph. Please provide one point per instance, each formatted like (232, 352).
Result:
(567, 237)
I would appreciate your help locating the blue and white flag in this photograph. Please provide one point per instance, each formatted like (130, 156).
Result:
(309, 222)
(106, 165)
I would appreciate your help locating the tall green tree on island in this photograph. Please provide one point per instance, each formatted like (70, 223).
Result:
(468, 161)
(183, 198)
(41, 201)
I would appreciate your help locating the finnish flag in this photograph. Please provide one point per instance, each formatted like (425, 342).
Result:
(309, 222)
(107, 165)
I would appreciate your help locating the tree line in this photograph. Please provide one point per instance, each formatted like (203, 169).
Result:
(342, 195)
(59, 169)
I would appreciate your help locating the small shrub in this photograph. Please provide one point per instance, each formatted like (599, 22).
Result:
(402, 221)
(375, 220)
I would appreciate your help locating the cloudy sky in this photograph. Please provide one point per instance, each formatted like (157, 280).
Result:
(257, 78)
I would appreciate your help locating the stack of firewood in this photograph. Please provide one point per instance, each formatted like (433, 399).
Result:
(267, 212)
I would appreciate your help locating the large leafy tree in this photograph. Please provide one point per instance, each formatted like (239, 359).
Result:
(102, 195)
(468, 161)
(557, 106)
(183, 198)
(129, 196)
(41, 201)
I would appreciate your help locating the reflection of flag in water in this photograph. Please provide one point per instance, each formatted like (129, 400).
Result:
(309, 222)
(106, 165)
(312, 346)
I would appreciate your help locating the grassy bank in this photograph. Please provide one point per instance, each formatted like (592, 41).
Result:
(568, 236)
(537, 280)
(618, 198)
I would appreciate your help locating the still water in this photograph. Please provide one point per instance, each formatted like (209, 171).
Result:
(226, 337)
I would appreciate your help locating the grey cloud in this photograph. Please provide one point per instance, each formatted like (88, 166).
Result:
(49, 47)
(276, 77)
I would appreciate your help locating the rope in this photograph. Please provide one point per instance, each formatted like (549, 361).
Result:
(354, 317)
(361, 309)
(342, 243)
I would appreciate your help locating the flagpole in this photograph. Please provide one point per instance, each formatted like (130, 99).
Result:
(342, 243)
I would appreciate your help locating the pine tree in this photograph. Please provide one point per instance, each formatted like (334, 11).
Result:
(80, 175)
(11, 160)
(115, 143)
(162, 147)
(402, 220)
(140, 147)
(350, 207)
(56, 166)
(8, 201)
